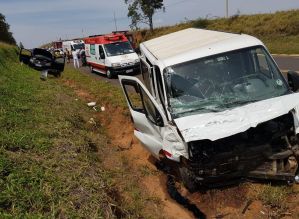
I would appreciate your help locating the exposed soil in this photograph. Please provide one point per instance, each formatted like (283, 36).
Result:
(217, 203)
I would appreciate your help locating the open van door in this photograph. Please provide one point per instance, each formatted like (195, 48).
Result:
(149, 120)
(25, 55)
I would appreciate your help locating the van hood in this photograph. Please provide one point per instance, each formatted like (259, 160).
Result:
(219, 125)
(123, 59)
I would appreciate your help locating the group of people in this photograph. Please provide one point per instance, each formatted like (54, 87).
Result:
(76, 55)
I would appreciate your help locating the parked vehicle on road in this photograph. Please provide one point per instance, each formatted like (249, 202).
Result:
(57, 44)
(111, 54)
(41, 59)
(71, 45)
(216, 106)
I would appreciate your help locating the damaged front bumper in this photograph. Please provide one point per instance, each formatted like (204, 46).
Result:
(269, 152)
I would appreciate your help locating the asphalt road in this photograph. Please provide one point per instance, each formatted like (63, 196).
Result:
(285, 63)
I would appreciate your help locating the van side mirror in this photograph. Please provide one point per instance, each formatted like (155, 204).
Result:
(293, 80)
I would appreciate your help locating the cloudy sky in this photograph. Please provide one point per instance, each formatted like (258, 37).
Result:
(35, 22)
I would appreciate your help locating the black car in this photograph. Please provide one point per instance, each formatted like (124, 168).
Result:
(41, 59)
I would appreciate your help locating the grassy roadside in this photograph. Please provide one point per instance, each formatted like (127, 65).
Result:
(51, 154)
(279, 31)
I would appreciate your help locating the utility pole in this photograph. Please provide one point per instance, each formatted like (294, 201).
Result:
(226, 8)
(115, 21)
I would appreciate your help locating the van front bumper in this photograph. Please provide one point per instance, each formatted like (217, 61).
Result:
(126, 70)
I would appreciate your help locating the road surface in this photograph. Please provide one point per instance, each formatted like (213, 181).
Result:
(285, 63)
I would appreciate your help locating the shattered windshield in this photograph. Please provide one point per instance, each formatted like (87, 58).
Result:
(223, 81)
(119, 48)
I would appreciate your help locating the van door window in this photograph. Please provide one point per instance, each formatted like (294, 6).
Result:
(141, 102)
(262, 64)
(160, 87)
(150, 109)
(145, 71)
(133, 93)
(92, 49)
(101, 52)
(148, 77)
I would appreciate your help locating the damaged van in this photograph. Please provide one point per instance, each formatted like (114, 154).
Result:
(216, 105)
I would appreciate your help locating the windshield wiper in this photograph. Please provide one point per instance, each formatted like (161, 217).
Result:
(239, 102)
(198, 109)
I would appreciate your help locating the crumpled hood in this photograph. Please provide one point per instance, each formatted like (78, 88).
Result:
(219, 125)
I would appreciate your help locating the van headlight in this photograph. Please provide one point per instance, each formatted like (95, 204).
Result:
(115, 64)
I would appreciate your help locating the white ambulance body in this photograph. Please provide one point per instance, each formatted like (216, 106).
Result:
(111, 55)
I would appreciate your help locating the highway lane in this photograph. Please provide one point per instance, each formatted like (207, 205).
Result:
(287, 62)
(284, 63)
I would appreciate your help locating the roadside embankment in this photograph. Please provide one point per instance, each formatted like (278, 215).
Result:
(53, 152)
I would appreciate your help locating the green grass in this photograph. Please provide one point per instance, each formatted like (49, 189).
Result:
(51, 157)
(279, 31)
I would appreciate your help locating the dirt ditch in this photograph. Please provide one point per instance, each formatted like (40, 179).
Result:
(234, 202)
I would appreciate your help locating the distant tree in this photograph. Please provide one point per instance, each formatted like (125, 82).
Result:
(5, 34)
(142, 11)
(21, 46)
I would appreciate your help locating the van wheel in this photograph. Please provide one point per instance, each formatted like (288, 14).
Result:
(109, 74)
(188, 179)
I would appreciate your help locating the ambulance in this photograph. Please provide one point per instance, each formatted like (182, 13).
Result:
(111, 54)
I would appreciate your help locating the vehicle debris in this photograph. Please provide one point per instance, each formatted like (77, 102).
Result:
(92, 121)
(95, 108)
(91, 104)
(102, 108)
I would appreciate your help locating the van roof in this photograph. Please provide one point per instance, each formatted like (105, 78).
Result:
(106, 39)
(195, 43)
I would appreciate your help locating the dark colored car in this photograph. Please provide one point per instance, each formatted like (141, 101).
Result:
(41, 59)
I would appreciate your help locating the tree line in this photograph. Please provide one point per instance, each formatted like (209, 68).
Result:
(142, 12)
(5, 35)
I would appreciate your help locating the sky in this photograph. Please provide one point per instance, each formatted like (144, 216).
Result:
(36, 22)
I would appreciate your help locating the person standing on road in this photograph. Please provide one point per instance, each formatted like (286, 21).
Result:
(75, 58)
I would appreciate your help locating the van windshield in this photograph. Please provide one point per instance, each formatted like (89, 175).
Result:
(119, 48)
(223, 81)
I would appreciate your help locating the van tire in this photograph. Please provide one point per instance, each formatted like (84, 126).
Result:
(91, 69)
(109, 74)
(188, 179)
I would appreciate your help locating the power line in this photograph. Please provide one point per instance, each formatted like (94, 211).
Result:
(176, 3)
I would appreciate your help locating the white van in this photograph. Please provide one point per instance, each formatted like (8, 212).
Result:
(215, 105)
(111, 54)
(72, 45)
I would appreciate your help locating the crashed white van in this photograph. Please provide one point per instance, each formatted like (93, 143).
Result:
(217, 105)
